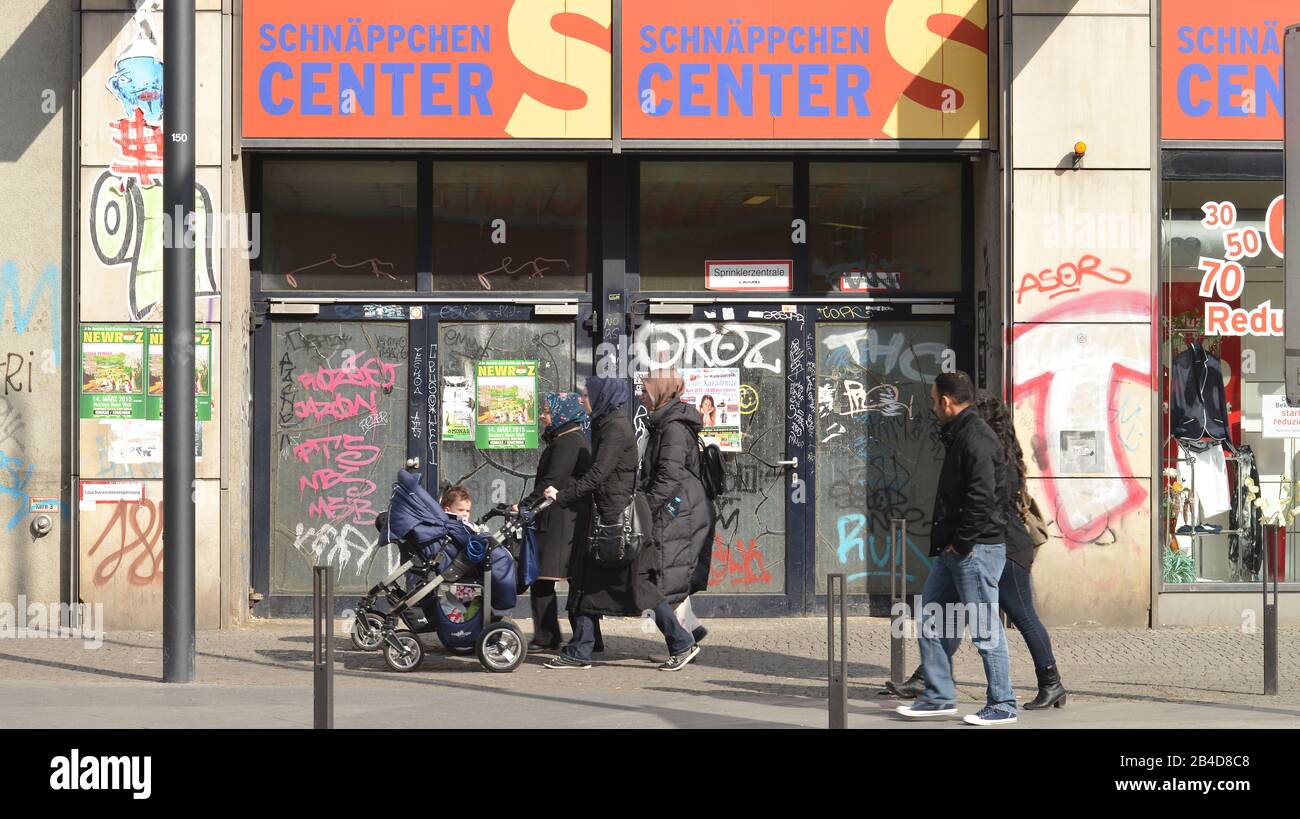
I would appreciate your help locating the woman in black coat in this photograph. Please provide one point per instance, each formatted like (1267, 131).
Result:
(595, 590)
(684, 517)
(561, 528)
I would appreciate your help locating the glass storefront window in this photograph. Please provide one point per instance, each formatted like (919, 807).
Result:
(509, 226)
(339, 225)
(692, 213)
(885, 226)
(1211, 528)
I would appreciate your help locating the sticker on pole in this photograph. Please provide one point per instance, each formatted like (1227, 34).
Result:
(749, 275)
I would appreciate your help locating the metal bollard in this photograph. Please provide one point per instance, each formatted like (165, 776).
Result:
(322, 651)
(837, 694)
(1270, 612)
(897, 594)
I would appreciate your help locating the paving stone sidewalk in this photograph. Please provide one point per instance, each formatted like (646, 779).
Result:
(760, 671)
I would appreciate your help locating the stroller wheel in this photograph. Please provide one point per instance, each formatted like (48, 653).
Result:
(368, 632)
(501, 647)
(408, 656)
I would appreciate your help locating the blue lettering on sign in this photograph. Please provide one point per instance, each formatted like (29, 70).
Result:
(690, 87)
(429, 87)
(1198, 72)
(645, 93)
(1228, 89)
(808, 87)
(311, 87)
(265, 93)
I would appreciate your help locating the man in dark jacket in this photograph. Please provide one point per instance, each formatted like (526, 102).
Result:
(596, 590)
(968, 540)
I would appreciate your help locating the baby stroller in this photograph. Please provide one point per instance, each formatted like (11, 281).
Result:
(440, 586)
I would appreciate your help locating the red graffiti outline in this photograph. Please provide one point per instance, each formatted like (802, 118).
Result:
(1038, 387)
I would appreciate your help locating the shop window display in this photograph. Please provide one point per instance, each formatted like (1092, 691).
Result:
(1227, 467)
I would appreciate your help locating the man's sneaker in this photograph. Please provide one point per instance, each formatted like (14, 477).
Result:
(918, 710)
(699, 633)
(988, 715)
(565, 661)
(679, 661)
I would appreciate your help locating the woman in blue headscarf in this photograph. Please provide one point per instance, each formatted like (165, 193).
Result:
(596, 590)
(561, 527)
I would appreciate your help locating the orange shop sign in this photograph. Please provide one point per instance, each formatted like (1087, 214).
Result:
(804, 69)
(1221, 68)
(320, 69)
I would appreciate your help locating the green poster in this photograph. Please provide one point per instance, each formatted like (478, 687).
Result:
(202, 374)
(112, 371)
(506, 393)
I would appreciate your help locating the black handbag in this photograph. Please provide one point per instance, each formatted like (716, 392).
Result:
(619, 544)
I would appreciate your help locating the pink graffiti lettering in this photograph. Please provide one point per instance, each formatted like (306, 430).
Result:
(352, 374)
(1069, 278)
(340, 409)
(344, 456)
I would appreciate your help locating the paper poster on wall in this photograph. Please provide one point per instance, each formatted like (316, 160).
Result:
(715, 392)
(1280, 419)
(749, 275)
(112, 371)
(202, 374)
(506, 404)
(457, 409)
(1081, 451)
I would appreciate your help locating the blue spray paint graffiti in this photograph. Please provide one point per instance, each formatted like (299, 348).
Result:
(15, 485)
(854, 549)
(23, 311)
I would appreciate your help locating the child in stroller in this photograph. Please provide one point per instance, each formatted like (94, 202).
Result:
(444, 563)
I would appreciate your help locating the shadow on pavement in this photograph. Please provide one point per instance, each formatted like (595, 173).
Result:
(102, 672)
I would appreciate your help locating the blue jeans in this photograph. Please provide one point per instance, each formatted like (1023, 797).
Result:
(586, 627)
(971, 580)
(1016, 596)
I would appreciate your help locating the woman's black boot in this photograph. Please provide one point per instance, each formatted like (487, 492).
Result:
(1050, 691)
(911, 689)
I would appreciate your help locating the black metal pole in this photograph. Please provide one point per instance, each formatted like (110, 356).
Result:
(837, 692)
(1270, 611)
(178, 341)
(322, 646)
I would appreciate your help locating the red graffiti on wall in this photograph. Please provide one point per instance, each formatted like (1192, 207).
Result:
(739, 563)
(343, 457)
(1073, 377)
(127, 532)
(1070, 277)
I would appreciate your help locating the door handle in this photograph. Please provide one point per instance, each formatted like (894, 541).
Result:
(794, 462)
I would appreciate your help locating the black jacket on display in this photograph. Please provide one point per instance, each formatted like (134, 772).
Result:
(1198, 405)
(683, 515)
(973, 478)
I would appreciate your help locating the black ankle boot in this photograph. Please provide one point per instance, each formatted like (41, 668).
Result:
(911, 689)
(1050, 691)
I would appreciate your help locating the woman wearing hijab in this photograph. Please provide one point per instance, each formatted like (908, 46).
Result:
(560, 528)
(683, 516)
(596, 590)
